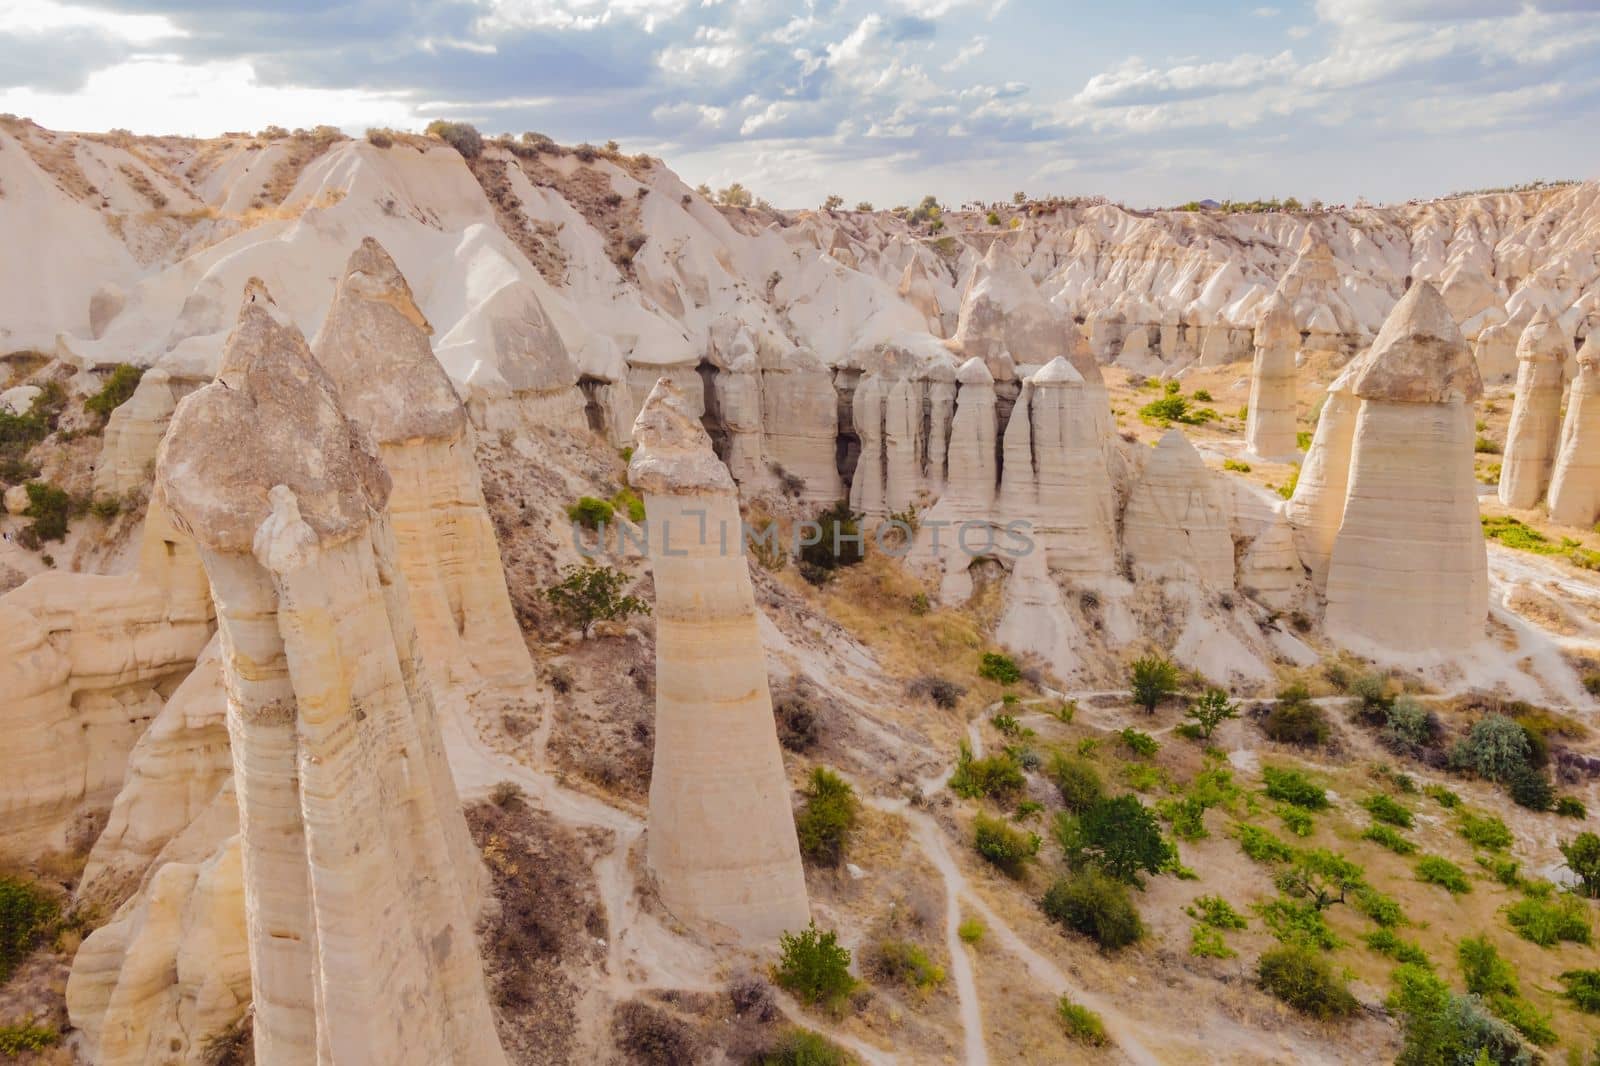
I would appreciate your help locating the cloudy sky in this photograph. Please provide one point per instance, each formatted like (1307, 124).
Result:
(1147, 101)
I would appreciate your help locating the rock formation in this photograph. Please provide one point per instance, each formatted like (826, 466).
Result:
(800, 424)
(358, 905)
(1176, 522)
(1005, 320)
(132, 434)
(722, 843)
(1270, 431)
(83, 661)
(1575, 486)
(1535, 428)
(1316, 509)
(1408, 571)
(1496, 347)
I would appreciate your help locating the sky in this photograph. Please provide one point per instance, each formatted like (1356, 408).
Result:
(1150, 103)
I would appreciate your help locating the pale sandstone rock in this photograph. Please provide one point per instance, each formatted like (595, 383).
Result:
(1496, 347)
(1073, 519)
(918, 290)
(16, 499)
(970, 476)
(105, 304)
(1409, 571)
(1270, 430)
(132, 435)
(1270, 571)
(83, 659)
(1176, 523)
(1004, 314)
(356, 862)
(1316, 509)
(800, 423)
(1535, 429)
(1575, 487)
(721, 841)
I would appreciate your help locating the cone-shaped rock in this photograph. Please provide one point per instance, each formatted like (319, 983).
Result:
(1176, 522)
(722, 842)
(1003, 314)
(1408, 571)
(1074, 518)
(1535, 428)
(1575, 488)
(1270, 431)
(1316, 509)
(362, 945)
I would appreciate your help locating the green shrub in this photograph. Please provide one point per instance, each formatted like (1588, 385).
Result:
(1140, 743)
(813, 966)
(1531, 788)
(1433, 870)
(1385, 942)
(1296, 820)
(1174, 408)
(1187, 817)
(1077, 780)
(26, 914)
(1583, 989)
(1571, 807)
(1142, 777)
(1215, 912)
(1494, 748)
(23, 1037)
(1582, 853)
(1305, 981)
(802, 1047)
(1484, 831)
(1207, 943)
(1443, 1029)
(1548, 922)
(996, 776)
(1095, 905)
(50, 508)
(1119, 835)
(1000, 668)
(970, 931)
(827, 819)
(838, 542)
(1081, 1023)
(1210, 710)
(1294, 719)
(1235, 464)
(1214, 787)
(628, 502)
(1383, 910)
(1443, 797)
(1386, 837)
(1262, 846)
(462, 136)
(1286, 490)
(1007, 849)
(589, 594)
(1409, 728)
(1291, 786)
(1320, 876)
(1385, 809)
(1202, 395)
(1297, 922)
(1152, 679)
(1503, 870)
(117, 390)
(907, 964)
(1524, 1017)
(591, 513)
(1484, 971)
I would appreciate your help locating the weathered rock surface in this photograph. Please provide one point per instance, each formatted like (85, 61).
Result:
(1176, 522)
(1575, 486)
(1270, 429)
(1316, 509)
(1535, 429)
(132, 435)
(721, 839)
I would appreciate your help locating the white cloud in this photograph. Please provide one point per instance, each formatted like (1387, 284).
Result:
(969, 51)
(1135, 81)
(44, 16)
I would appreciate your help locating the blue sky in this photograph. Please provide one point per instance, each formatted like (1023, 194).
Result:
(1143, 101)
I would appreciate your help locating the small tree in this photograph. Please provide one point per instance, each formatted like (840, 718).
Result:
(1019, 197)
(864, 205)
(462, 136)
(1211, 710)
(1153, 679)
(589, 594)
(833, 202)
(1121, 836)
(735, 195)
(1495, 748)
(1583, 859)
(1007, 848)
(1320, 877)
(813, 966)
(825, 822)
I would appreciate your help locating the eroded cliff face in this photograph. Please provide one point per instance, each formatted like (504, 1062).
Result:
(1575, 485)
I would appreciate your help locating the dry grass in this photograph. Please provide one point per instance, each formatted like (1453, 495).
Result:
(53, 153)
(537, 240)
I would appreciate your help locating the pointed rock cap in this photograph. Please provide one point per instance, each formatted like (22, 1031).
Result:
(271, 418)
(672, 452)
(1275, 325)
(1314, 245)
(1174, 451)
(374, 345)
(1057, 372)
(1543, 340)
(1589, 354)
(974, 372)
(1420, 355)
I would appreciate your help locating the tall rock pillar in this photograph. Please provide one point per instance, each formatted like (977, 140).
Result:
(722, 842)
(1531, 439)
(1269, 432)
(1575, 487)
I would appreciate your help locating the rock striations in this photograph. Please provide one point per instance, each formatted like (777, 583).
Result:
(722, 843)
(1535, 429)
(356, 864)
(1575, 486)
(1176, 522)
(1270, 429)
(1408, 572)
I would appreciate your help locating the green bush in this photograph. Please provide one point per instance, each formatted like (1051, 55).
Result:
(1383, 910)
(589, 594)
(998, 667)
(1215, 912)
(15, 1040)
(1503, 870)
(26, 914)
(802, 1047)
(1262, 846)
(1291, 786)
(1385, 942)
(628, 502)
(1484, 971)
(1095, 905)
(839, 542)
(1531, 788)
(1305, 981)
(1409, 728)
(117, 390)
(1548, 922)
(1443, 1029)
(1081, 1023)
(1443, 797)
(1152, 679)
(1494, 748)
(1524, 1017)
(1210, 710)
(1320, 876)
(462, 136)
(1294, 719)
(1077, 780)
(1388, 838)
(1140, 743)
(813, 966)
(1385, 809)
(1007, 849)
(1484, 831)
(1121, 836)
(1187, 817)
(1583, 989)
(907, 964)
(1433, 870)
(1582, 853)
(50, 508)
(1571, 807)
(997, 776)
(970, 931)
(827, 819)
(591, 513)
(1207, 943)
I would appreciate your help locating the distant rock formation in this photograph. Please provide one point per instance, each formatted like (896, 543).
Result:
(1176, 522)
(355, 856)
(1005, 320)
(1316, 509)
(1575, 486)
(722, 844)
(1409, 572)
(1496, 347)
(132, 434)
(1535, 429)
(1270, 428)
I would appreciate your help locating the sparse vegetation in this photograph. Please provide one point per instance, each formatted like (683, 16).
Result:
(1435, 870)
(1547, 922)
(50, 508)
(1484, 831)
(999, 668)
(838, 544)
(1385, 809)
(1081, 1023)
(1292, 786)
(22, 1037)
(813, 967)
(1095, 905)
(905, 963)
(116, 391)
(1386, 837)
(589, 594)
(1210, 710)
(1294, 719)
(802, 1047)
(26, 914)
(1153, 679)
(462, 136)
(997, 776)
(1305, 981)
(1583, 989)
(828, 817)
(1139, 742)
(1006, 848)
(591, 513)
